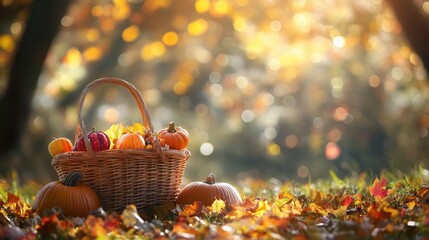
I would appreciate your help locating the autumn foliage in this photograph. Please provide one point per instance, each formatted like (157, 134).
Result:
(358, 207)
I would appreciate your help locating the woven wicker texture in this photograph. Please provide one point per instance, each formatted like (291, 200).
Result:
(143, 177)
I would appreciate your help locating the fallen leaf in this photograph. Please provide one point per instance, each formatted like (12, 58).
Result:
(313, 207)
(217, 206)
(94, 227)
(263, 207)
(12, 198)
(378, 188)
(423, 193)
(190, 210)
(347, 200)
(411, 205)
(340, 212)
(317, 196)
(249, 207)
(286, 205)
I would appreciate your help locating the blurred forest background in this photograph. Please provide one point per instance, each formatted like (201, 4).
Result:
(266, 88)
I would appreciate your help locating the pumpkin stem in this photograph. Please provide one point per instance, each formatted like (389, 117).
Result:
(171, 127)
(72, 179)
(211, 179)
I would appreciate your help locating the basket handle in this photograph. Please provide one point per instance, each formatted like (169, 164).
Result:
(137, 97)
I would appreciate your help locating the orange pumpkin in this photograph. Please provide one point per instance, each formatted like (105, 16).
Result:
(74, 199)
(130, 141)
(174, 137)
(59, 145)
(207, 192)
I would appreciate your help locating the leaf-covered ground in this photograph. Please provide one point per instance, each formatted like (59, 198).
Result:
(360, 207)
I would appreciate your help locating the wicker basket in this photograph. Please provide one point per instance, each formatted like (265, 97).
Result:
(143, 177)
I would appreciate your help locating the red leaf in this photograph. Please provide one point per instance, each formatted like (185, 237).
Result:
(378, 189)
(347, 201)
(11, 198)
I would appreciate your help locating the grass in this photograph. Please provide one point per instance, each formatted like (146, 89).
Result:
(392, 205)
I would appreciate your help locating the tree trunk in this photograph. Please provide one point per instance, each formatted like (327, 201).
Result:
(415, 27)
(41, 28)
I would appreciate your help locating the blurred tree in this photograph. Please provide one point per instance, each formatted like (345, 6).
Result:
(42, 26)
(415, 26)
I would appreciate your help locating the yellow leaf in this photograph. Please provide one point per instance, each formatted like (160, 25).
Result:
(237, 212)
(115, 132)
(137, 128)
(263, 206)
(411, 205)
(340, 212)
(393, 212)
(285, 197)
(285, 209)
(313, 207)
(217, 206)
(255, 208)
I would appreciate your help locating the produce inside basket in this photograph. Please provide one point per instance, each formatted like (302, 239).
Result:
(144, 177)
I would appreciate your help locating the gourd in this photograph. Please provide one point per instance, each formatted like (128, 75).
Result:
(174, 137)
(75, 199)
(98, 140)
(59, 145)
(207, 192)
(130, 141)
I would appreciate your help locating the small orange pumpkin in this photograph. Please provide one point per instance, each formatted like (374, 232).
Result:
(207, 192)
(174, 137)
(130, 141)
(74, 199)
(59, 145)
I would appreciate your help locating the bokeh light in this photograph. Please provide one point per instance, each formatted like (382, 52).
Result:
(197, 27)
(291, 141)
(332, 151)
(272, 84)
(130, 33)
(303, 172)
(206, 149)
(170, 38)
(202, 6)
